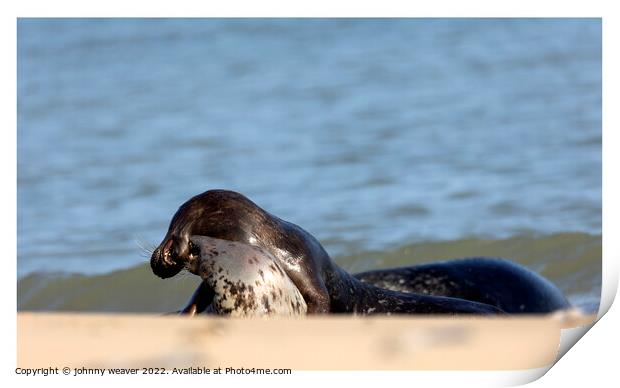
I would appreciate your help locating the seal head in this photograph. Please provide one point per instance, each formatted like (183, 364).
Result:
(205, 214)
(228, 215)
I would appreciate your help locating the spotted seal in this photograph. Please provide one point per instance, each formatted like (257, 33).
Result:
(242, 280)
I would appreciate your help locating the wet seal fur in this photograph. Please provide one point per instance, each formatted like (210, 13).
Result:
(324, 286)
(498, 282)
(243, 280)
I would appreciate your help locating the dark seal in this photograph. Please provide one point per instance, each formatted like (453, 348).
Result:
(498, 282)
(243, 280)
(324, 286)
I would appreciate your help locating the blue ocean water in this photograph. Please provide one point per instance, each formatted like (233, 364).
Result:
(371, 134)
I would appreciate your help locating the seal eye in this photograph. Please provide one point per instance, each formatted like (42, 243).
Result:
(194, 250)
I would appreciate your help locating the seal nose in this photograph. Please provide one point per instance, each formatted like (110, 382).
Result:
(163, 264)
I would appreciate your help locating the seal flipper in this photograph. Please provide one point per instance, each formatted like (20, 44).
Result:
(313, 290)
(200, 300)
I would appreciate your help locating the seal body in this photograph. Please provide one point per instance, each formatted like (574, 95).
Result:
(350, 295)
(498, 282)
(243, 280)
(324, 286)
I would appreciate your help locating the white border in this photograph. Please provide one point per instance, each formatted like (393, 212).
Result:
(588, 363)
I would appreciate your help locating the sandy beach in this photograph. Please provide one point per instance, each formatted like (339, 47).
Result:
(315, 343)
